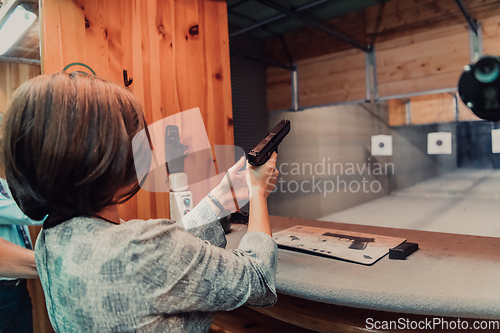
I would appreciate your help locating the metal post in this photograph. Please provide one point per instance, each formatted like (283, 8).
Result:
(475, 43)
(468, 16)
(455, 104)
(295, 88)
(20, 60)
(371, 75)
(408, 112)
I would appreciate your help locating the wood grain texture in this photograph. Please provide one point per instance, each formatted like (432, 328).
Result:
(386, 21)
(420, 46)
(425, 62)
(428, 109)
(12, 75)
(327, 79)
(491, 35)
(397, 112)
(172, 70)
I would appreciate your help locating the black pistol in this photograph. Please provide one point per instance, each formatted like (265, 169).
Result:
(263, 151)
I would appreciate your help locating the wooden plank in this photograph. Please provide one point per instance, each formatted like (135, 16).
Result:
(419, 84)
(341, 87)
(397, 112)
(398, 19)
(432, 109)
(317, 68)
(278, 86)
(96, 36)
(491, 35)
(63, 35)
(12, 75)
(322, 80)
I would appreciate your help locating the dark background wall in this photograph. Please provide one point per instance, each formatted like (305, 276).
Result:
(248, 84)
(474, 145)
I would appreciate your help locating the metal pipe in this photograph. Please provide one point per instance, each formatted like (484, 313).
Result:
(420, 93)
(323, 106)
(295, 88)
(468, 16)
(272, 19)
(20, 60)
(408, 111)
(313, 23)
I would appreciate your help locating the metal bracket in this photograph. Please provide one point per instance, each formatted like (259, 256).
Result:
(468, 16)
(408, 111)
(371, 75)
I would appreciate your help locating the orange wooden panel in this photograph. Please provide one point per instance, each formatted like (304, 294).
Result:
(334, 78)
(432, 109)
(172, 69)
(424, 65)
(491, 35)
(397, 112)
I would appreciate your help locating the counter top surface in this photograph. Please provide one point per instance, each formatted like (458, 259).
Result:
(450, 275)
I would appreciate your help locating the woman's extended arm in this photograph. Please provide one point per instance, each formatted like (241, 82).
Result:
(16, 261)
(261, 182)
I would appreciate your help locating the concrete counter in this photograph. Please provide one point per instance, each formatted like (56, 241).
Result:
(450, 275)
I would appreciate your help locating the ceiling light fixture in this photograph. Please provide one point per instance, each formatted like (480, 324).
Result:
(14, 27)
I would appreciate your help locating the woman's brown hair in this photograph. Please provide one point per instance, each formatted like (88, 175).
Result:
(67, 144)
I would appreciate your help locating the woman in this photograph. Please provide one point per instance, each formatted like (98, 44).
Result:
(68, 155)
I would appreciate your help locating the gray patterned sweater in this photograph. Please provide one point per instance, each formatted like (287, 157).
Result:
(150, 276)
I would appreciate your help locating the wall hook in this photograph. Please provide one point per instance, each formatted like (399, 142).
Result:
(126, 81)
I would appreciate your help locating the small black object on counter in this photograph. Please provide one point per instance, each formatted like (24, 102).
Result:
(402, 251)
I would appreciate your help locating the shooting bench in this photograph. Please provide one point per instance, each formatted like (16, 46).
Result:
(451, 276)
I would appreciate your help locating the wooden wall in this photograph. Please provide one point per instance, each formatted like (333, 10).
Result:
(12, 75)
(420, 46)
(428, 109)
(172, 70)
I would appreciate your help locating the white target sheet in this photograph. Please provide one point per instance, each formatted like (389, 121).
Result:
(352, 246)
